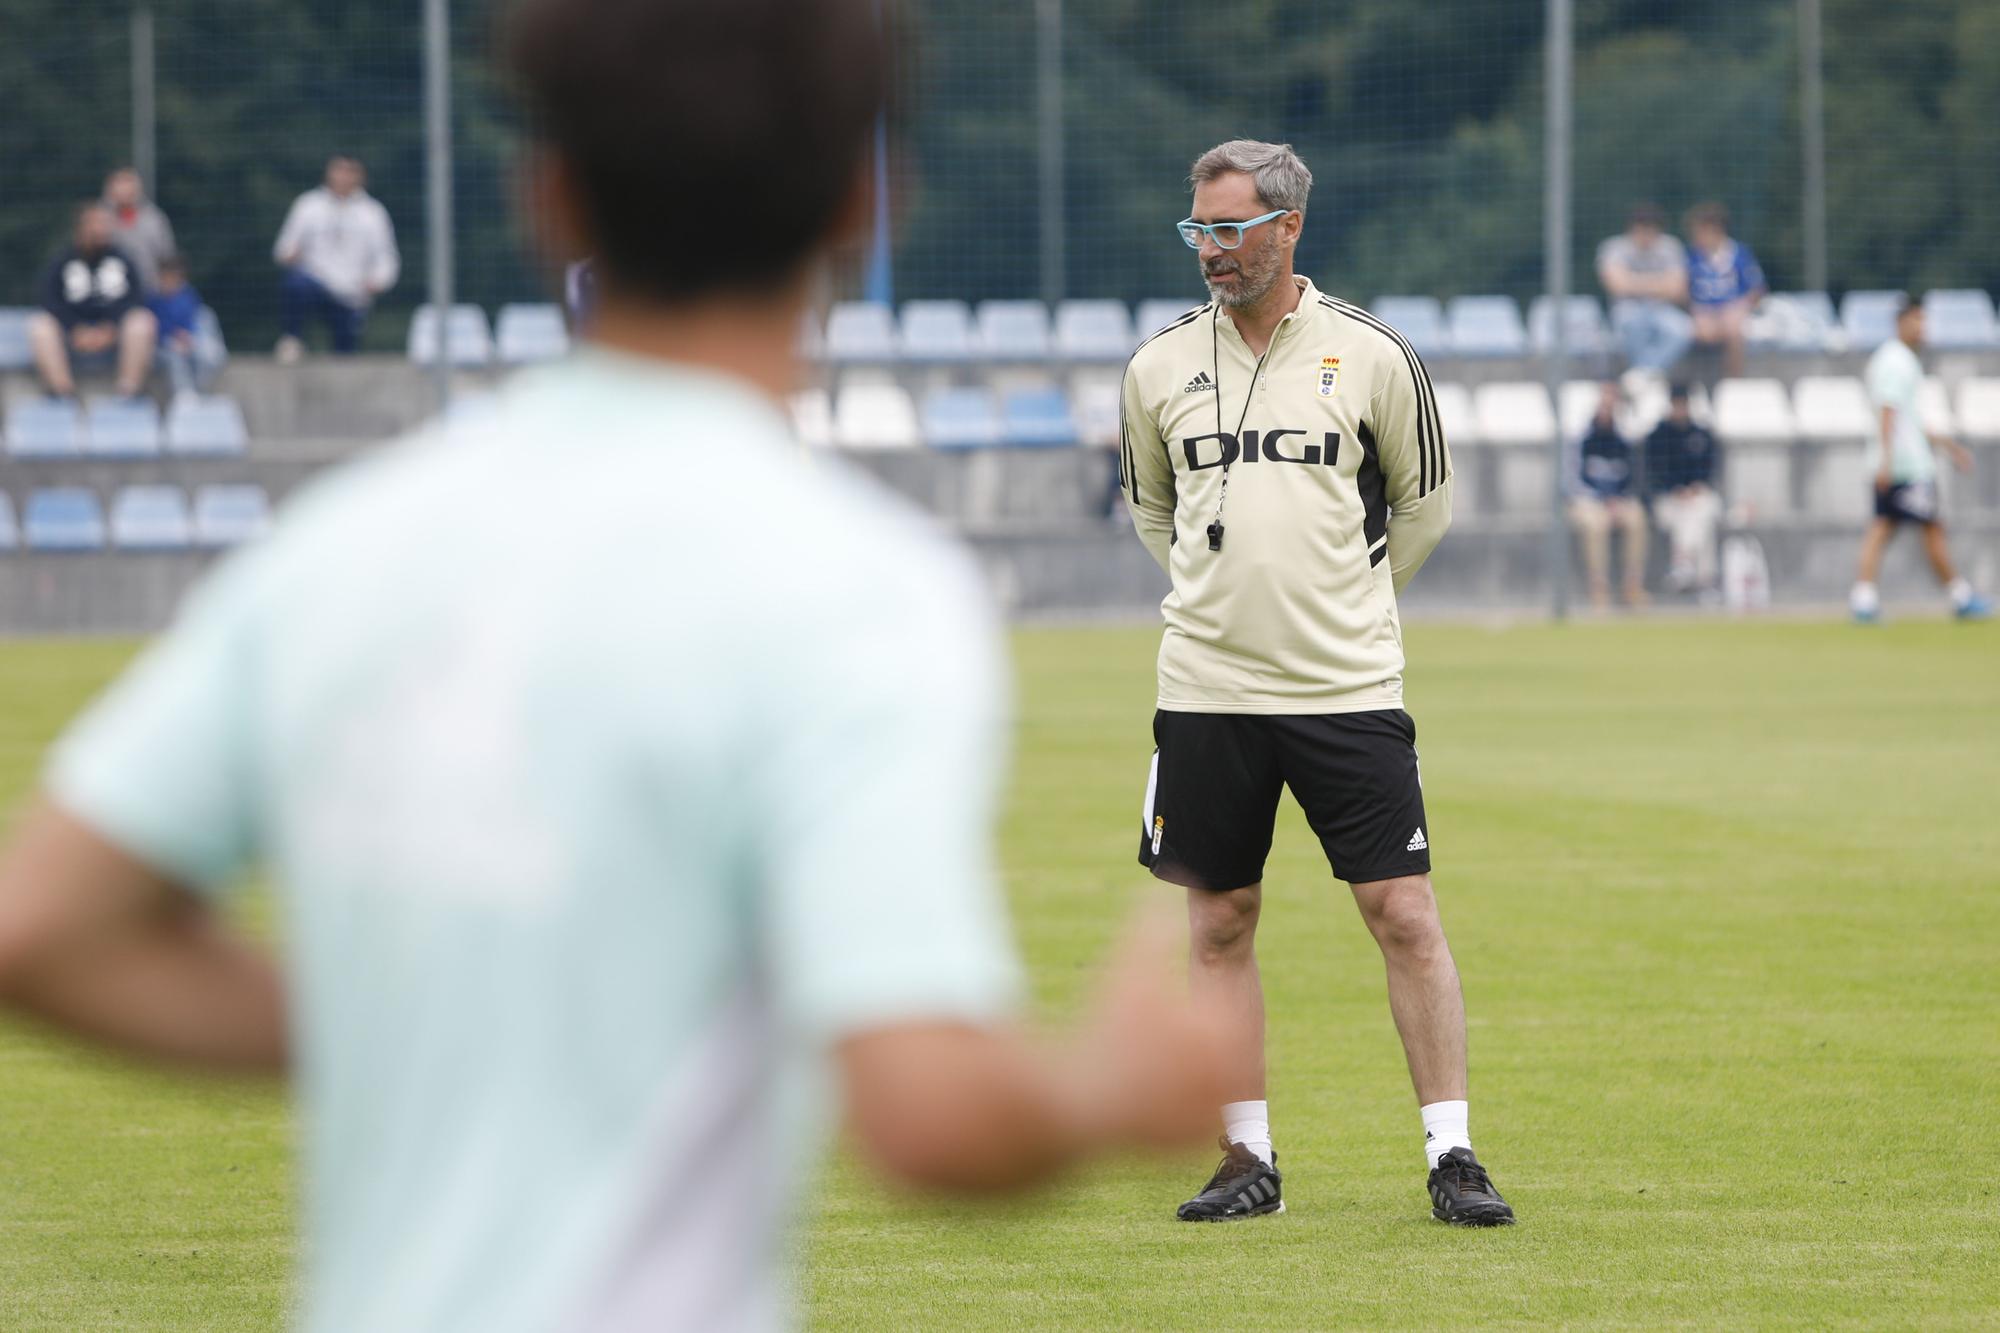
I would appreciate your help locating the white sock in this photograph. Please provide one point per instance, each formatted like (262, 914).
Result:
(1249, 1123)
(1864, 600)
(1444, 1129)
(1961, 592)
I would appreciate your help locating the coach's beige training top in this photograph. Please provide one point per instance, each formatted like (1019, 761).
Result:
(1338, 486)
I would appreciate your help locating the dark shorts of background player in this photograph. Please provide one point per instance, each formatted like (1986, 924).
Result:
(1908, 502)
(1213, 798)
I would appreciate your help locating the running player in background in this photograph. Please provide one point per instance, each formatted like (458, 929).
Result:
(617, 772)
(1284, 464)
(1906, 471)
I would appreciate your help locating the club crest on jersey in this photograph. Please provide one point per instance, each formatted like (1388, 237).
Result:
(1329, 376)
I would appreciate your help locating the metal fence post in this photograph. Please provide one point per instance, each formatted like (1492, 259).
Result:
(1556, 245)
(1812, 143)
(144, 99)
(1049, 63)
(438, 159)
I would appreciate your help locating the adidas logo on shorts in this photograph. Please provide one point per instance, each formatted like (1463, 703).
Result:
(1417, 843)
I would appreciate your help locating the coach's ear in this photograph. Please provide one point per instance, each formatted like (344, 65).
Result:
(1291, 227)
(854, 221)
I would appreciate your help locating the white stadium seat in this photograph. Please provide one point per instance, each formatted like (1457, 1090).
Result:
(937, 331)
(1831, 407)
(1586, 326)
(1094, 331)
(860, 331)
(528, 333)
(1159, 312)
(1486, 326)
(1934, 406)
(1979, 409)
(812, 417)
(875, 416)
(1014, 330)
(151, 518)
(1753, 410)
(471, 336)
(1096, 397)
(1514, 412)
(1455, 414)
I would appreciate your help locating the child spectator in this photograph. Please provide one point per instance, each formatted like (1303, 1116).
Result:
(192, 356)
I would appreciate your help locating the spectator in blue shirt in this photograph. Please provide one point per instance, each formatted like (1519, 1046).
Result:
(1725, 283)
(1603, 498)
(192, 355)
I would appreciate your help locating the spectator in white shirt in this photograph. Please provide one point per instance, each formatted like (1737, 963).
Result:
(338, 250)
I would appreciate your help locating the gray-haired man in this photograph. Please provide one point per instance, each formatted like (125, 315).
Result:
(1283, 462)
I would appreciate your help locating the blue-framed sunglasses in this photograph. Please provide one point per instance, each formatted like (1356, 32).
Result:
(1227, 235)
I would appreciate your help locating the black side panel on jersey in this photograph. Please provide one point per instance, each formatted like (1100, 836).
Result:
(1374, 489)
(1430, 429)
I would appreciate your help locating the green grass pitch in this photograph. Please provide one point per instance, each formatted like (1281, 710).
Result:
(1726, 898)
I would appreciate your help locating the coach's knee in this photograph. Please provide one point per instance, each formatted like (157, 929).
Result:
(1223, 926)
(1402, 914)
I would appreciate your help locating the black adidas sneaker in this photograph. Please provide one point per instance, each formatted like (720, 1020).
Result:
(1241, 1187)
(1463, 1195)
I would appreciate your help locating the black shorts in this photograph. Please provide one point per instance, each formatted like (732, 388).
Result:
(1908, 502)
(1212, 799)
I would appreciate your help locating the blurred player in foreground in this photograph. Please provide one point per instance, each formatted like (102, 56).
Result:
(1285, 465)
(1906, 489)
(615, 770)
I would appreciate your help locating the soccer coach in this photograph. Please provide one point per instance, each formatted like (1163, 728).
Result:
(1283, 461)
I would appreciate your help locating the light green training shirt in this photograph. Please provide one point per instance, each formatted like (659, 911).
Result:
(1895, 377)
(611, 762)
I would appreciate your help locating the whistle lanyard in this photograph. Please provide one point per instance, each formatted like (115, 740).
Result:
(1215, 356)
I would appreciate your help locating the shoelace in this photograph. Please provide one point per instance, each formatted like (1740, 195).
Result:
(1231, 1157)
(1466, 1177)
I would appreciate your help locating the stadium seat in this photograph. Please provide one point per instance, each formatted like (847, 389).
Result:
(1960, 320)
(1576, 404)
(14, 351)
(1934, 406)
(529, 333)
(1096, 399)
(1585, 325)
(1094, 331)
(937, 331)
(64, 518)
(1793, 322)
(1869, 318)
(1979, 409)
(206, 426)
(1014, 330)
(811, 345)
(1831, 407)
(1420, 319)
(1157, 313)
(1753, 410)
(960, 419)
(151, 518)
(1514, 412)
(121, 428)
(1486, 326)
(874, 416)
(1037, 418)
(471, 337)
(1455, 414)
(812, 418)
(10, 531)
(45, 428)
(230, 515)
(860, 331)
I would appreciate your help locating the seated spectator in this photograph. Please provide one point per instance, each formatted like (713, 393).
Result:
(91, 317)
(1680, 474)
(1605, 498)
(338, 250)
(192, 359)
(138, 227)
(1645, 275)
(1725, 284)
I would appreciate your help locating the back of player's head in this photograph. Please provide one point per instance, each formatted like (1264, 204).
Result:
(707, 147)
(1282, 180)
(1908, 304)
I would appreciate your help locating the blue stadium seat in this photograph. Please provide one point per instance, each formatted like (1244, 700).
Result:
(64, 518)
(529, 333)
(230, 515)
(1014, 330)
(151, 518)
(208, 330)
(1420, 319)
(1869, 318)
(1485, 326)
(1960, 320)
(960, 419)
(122, 428)
(471, 337)
(206, 427)
(860, 331)
(45, 428)
(1794, 321)
(1037, 418)
(937, 331)
(1157, 313)
(1094, 331)
(10, 531)
(14, 351)
(1585, 325)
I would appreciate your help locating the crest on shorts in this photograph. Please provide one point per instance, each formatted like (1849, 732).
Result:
(1159, 832)
(1329, 376)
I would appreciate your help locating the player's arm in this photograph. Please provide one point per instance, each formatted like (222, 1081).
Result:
(1885, 466)
(1416, 464)
(1145, 471)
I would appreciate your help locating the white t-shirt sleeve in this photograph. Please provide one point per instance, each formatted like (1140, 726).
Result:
(161, 764)
(879, 791)
(1890, 381)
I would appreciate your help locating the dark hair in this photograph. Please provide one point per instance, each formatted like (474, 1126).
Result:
(712, 146)
(1677, 393)
(1646, 215)
(1712, 214)
(1908, 302)
(173, 264)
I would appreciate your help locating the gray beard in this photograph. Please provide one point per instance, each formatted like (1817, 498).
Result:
(1250, 291)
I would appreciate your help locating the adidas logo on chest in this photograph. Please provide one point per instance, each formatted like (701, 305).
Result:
(1201, 383)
